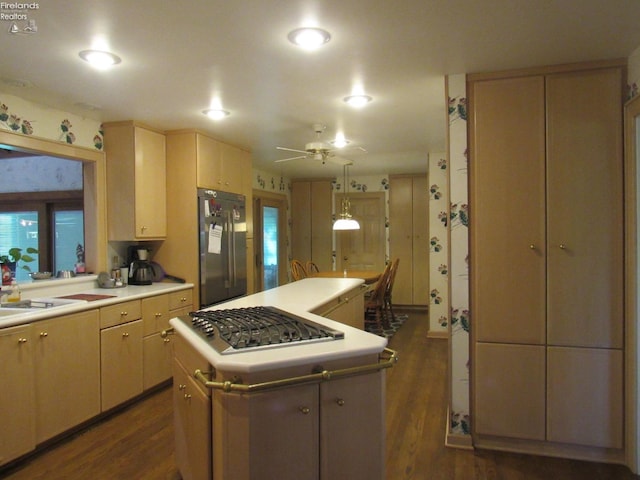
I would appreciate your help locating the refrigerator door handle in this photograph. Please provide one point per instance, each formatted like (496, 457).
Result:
(231, 251)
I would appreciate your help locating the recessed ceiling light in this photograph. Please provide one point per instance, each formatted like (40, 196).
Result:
(99, 59)
(339, 142)
(309, 38)
(357, 100)
(216, 113)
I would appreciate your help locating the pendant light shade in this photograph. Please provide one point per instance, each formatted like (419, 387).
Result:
(345, 221)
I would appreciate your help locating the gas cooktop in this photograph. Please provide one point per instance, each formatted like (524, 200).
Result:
(247, 329)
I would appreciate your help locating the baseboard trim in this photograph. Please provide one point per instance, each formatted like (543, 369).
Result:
(456, 440)
(443, 335)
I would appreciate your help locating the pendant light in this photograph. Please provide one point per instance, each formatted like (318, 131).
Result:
(346, 222)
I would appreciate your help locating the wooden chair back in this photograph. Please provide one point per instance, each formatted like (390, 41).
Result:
(311, 268)
(297, 270)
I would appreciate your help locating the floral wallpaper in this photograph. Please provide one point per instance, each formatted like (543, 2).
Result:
(22, 116)
(459, 258)
(438, 244)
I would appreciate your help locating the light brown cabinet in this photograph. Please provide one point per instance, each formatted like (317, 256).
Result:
(333, 430)
(157, 347)
(311, 222)
(547, 269)
(136, 172)
(192, 415)
(193, 160)
(409, 237)
(17, 402)
(120, 352)
(347, 308)
(67, 368)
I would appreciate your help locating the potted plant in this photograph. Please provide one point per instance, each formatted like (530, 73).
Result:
(10, 261)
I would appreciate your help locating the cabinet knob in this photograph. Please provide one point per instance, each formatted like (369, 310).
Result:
(181, 386)
(158, 315)
(44, 334)
(532, 246)
(142, 229)
(124, 314)
(22, 340)
(125, 334)
(183, 299)
(166, 340)
(562, 246)
(340, 402)
(305, 410)
(187, 396)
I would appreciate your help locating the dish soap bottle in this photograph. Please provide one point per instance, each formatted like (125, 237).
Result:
(14, 294)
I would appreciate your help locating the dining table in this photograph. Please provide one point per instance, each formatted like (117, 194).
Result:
(369, 276)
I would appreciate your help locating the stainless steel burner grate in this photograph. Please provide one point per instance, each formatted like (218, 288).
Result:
(234, 330)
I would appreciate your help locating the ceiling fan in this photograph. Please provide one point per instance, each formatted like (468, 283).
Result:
(318, 150)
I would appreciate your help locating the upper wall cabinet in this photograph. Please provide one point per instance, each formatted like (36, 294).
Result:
(136, 172)
(220, 166)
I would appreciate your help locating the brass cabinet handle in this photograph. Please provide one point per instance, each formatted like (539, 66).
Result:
(44, 334)
(158, 315)
(562, 246)
(181, 386)
(187, 396)
(305, 410)
(183, 299)
(124, 314)
(340, 402)
(22, 340)
(125, 334)
(532, 246)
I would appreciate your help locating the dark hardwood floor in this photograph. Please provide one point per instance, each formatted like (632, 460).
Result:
(137, 443)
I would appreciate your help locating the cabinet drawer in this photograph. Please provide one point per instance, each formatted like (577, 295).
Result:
(120, 313)
(190, 359)
(180, 299)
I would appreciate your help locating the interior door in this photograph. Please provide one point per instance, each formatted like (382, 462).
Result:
(363, 249)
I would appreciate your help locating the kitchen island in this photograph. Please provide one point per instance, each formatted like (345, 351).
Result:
(292, 411)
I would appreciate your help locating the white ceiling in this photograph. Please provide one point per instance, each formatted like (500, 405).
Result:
(177, 56)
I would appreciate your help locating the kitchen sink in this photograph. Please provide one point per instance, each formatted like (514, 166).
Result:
(37, 304)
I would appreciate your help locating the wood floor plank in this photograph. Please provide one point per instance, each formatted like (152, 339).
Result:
(137, 443)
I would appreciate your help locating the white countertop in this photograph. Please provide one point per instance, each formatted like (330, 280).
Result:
(52, 289)
(298, 298)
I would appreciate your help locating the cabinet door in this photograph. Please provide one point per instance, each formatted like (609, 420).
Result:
(585, 396)
(321, 225)
(192, 426)
(585, 211)
(156, 359)
(209, 169)
(350, 309)
(401, 237)
(67, 366)
(301, 220)
(267, 435)
(508, 274)
(233, 163)
(17, 402)
(352, 428)
(121, 363)
(155, 313)
(150, 184)
(509, 390)
(420, 250)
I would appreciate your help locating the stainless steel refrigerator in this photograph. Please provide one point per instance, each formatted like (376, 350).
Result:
(223, 246)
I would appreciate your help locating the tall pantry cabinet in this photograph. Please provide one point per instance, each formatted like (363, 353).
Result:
(311, 222)
(546, 227)
(409, 237)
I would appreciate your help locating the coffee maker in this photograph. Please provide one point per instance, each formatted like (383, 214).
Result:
(140, 269)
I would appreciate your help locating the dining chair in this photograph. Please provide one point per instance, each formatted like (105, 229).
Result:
(311, 268)
(388, 303)
(297, 270)
(374, 311)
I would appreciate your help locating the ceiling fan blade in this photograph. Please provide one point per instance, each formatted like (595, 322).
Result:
(291, 150)
(289, 159)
